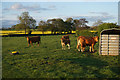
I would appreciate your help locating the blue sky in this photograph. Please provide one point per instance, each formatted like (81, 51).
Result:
(92, 11)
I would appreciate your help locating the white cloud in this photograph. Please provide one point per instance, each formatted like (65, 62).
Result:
(101, 13)
(17, 6)
(34, 7)
(94, 18)
(104, 16)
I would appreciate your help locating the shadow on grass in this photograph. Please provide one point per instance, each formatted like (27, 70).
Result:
(88, 63)
(26, 47)
(86, 53)
(116, 70)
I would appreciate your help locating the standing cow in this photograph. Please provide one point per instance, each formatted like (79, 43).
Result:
(65, 41)
(34, 39)
(86, 41)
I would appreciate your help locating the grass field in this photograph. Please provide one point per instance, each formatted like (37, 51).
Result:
(49, 61)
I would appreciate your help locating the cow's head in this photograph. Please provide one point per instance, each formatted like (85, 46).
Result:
(96, 38)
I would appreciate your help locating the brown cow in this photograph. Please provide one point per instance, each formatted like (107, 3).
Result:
(86, 41)
(34, 39)
(65, 41)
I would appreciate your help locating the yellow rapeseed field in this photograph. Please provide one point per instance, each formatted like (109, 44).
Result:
(93, 31)
(23, 32)
(11, 32)
(33, 32)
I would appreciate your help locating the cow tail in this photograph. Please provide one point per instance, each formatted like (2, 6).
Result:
(61, 40)
(78, 43)
(77, 40)
(40, 39)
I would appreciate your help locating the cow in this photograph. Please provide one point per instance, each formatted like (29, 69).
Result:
(34, 39)
(86, 41)
(65, 41)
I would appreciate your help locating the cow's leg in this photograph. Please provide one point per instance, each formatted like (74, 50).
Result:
(38, 43)
(90, 48)
(31, 43)
(78, 45)
(68, 46)
(93, 47)
(28, 44)
(81, 47)
(63, 46)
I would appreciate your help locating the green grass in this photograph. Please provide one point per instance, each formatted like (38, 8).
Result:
(49, 61)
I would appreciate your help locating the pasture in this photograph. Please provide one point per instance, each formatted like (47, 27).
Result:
(49, 60)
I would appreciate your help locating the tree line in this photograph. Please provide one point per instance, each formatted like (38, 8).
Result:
(59, 25)
(26, 22)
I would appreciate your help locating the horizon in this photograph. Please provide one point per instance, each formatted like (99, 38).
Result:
(91, 11)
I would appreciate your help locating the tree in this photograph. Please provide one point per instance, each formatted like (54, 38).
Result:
(27, 21)
(69, 25)
(106, 26)
(83, 22)
(42, 26)
(13, 27)
(60, 25)
(76, 23)
(80, 23)
(70, 20)
(57, 25)
(19, 26)
(97, 23)
(51, 28)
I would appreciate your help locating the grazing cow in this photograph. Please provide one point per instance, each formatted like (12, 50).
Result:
(65, 41)
(86, 41)
(34, 39)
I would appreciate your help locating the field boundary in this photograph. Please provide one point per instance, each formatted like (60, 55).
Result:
(21, 35)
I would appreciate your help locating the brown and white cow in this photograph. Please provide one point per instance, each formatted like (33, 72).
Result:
(34, 39)
(65, 41)
(86, 41)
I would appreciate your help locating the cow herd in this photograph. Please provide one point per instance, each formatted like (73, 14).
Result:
(65, 40)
